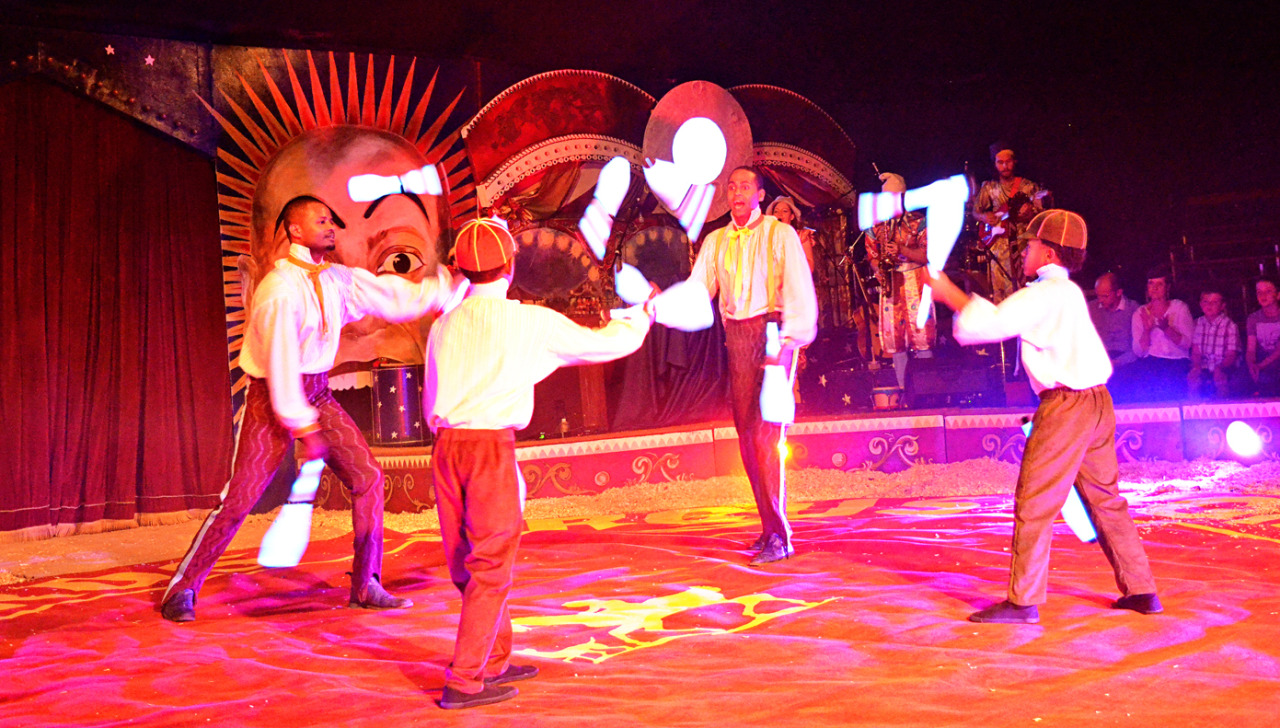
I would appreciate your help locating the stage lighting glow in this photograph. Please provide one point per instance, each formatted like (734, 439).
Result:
(784, 451)
(1243, 440)
(699, 149)
(370, 187)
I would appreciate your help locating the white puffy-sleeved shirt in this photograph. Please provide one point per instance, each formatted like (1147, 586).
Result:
(484, 357)
(1060, 346)
(1161, 346)
(286, 336)
(761, 272)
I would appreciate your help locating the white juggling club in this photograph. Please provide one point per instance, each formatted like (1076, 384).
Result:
(684, 306)
(777, 403)
(611, 189)
(698, 155)
(1073, 511)
(286, 540)
(370, 187)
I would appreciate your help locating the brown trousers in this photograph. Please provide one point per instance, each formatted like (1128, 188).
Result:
(480, 500)
(1073, 441)
(757, 439)
(262, 447)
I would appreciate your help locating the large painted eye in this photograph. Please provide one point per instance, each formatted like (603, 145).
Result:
(401, 261)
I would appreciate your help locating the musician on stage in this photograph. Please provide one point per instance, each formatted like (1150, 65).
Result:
(1004, 206)
(896, 249)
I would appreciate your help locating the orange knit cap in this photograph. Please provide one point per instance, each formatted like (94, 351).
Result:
(483, 244)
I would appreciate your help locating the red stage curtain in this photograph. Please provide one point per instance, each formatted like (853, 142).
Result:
(113, 366)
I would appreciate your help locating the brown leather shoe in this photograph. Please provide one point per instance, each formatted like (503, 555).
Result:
(774, 550)
(180, 607)
(513, 673)
(454, 699)
(1140, 603)
(375, 597)
(1007, 612)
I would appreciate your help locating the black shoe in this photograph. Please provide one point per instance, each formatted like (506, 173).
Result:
(759, 543)
(1140, 603)
(1007, 612)
(513, 673)
(454, 699)
(180, 607)
(375, 597)
(774, 550)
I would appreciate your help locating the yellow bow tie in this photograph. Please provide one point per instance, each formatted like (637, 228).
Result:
(740, 236)
(313, 272)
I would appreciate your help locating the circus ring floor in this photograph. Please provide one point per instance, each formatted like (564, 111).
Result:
(639, 608)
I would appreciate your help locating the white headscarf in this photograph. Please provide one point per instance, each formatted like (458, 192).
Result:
(891, 182)
(784, 200)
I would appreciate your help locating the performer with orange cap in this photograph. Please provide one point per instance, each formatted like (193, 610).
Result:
(483, 359)
(1073, 441)
(291, 340)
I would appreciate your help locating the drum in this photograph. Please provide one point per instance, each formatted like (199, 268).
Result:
(553, 262)
(886, 397)
(660, 250)
(397, 405)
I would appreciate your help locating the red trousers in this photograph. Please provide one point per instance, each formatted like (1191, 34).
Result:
(1073, 441)
(480, 500)
(757, 439)
(262, 447)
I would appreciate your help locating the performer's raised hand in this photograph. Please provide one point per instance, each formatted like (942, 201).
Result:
(946, 292)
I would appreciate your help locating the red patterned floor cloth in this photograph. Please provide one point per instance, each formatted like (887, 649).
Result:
(657, 620)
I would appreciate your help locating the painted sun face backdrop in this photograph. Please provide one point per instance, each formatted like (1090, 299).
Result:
(312, 145)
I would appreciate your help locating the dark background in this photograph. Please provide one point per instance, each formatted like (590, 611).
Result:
(1124, 110)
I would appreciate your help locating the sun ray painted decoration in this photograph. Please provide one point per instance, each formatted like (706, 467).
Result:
(297, 124)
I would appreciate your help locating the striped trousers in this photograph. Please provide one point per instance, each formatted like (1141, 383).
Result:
(261, 448)
(757, 439)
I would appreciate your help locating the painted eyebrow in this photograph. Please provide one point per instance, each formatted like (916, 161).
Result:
(416, 200)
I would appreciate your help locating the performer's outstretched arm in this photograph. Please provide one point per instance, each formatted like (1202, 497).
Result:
(398, 299)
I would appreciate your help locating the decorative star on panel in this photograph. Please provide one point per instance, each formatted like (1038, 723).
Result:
(408, 375)
(393, 390)
(394, 434)
(822, 380)
(402, 408)
(149, 60)
(847, 399)
(111, 50)
(379, 404)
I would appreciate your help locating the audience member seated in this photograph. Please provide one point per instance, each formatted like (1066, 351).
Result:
(1162, 330)
(1262, 352)
(1215, 349)
(1112, 315)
